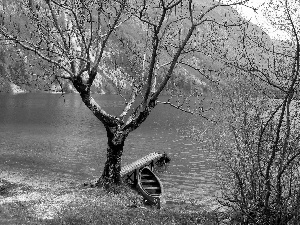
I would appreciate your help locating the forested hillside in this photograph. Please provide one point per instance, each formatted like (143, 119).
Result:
(30, 73)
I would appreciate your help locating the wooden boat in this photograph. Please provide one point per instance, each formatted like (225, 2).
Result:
(149, 186)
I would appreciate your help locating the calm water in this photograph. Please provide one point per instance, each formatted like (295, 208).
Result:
(57, 141)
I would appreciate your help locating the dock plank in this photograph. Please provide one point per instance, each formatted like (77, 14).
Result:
(140, 163)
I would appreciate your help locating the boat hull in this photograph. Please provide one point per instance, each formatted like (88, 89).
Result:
(149, 186)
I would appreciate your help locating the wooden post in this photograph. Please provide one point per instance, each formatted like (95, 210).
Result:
(152, 165)
(135, 177)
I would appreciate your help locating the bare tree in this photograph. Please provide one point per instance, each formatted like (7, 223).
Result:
(79, 38)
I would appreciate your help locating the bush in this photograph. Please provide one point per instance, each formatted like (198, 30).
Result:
(260, 154)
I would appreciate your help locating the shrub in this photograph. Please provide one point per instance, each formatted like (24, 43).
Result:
(260, 157)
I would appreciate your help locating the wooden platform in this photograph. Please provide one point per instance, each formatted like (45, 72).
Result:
(129, 172)
(145, 161)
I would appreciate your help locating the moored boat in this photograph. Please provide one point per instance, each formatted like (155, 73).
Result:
(149, 186)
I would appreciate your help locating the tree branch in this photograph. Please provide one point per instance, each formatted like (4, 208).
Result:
(34, 50)
(179, 107)
(129, 104)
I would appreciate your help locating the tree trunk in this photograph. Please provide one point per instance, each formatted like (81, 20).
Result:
(112, 168)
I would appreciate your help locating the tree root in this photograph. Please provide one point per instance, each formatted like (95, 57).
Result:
(93, 183)
(109, 187)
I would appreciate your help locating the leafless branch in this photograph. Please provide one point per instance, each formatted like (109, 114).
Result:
(32, 49)
(179, 107)
(129, 104)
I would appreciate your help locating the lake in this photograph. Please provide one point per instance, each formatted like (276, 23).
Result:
(54, 140)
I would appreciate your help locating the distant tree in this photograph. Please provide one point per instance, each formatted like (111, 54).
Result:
(135, 43)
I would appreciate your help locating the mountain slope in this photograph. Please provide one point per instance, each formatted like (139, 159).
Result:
(124, 63)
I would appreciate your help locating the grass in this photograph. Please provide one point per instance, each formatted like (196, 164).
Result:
(20, 204)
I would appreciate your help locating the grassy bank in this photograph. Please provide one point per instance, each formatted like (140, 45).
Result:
(21, 204)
